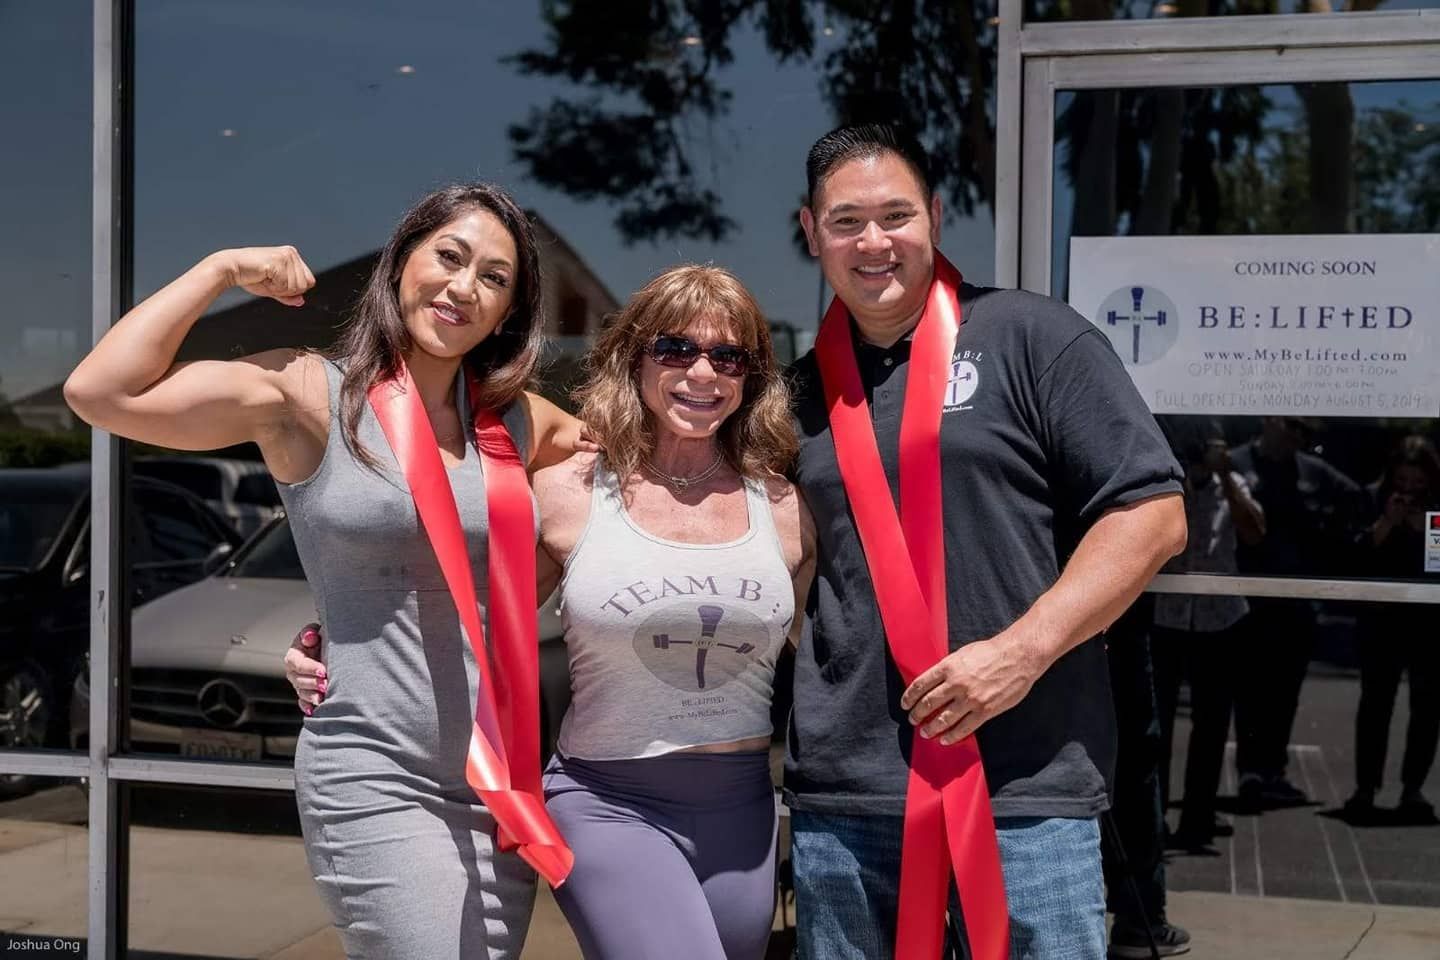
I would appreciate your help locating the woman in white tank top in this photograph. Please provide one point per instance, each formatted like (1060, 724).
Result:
(686, 558)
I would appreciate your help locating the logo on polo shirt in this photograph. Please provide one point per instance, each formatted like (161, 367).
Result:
(963, 381)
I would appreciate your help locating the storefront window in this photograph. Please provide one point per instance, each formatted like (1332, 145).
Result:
(1295, 763)
(1341, 495)
(45, 326)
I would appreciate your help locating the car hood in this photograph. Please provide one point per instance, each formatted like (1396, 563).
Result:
(224, 624)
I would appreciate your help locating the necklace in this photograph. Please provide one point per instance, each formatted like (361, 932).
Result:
(680, 483)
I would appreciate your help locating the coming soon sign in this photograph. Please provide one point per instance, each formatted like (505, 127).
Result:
(1323, 326)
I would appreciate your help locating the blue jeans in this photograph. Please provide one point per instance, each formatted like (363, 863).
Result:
(847, 879)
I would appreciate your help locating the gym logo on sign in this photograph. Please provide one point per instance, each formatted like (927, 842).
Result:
(963, 381)
(700, 648)
(1141, 322)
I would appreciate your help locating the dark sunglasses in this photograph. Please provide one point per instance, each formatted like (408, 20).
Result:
(729, 359)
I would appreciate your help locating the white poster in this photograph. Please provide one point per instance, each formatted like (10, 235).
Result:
(1327, 326)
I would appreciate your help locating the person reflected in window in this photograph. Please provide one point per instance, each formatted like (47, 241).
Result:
(1398, 638)
(1311, 511)
(1198, 638)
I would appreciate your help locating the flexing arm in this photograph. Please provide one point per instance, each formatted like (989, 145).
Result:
(1113, 562)
(131, 385)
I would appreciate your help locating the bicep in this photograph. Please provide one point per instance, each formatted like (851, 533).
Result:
(203, 404)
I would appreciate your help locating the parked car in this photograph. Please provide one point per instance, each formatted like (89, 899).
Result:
(207, 673)
(241, 491)
(174, 540)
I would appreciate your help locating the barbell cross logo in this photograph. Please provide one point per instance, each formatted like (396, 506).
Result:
(1138, 317)
(710, 617)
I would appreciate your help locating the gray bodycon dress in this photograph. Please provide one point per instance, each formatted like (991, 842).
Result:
(399, 845)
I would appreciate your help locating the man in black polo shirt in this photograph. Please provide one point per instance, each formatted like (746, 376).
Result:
(1060, 500)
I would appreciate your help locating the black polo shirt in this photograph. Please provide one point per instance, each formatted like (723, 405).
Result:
(1042, 431)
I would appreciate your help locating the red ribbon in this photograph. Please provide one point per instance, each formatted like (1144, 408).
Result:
(947, 803)
(503, 763)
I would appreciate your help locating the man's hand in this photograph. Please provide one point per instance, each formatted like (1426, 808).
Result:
(979, 681)
(304, 668)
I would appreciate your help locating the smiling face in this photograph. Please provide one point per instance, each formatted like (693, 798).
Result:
(692, 402)
(458, 284)
(875, 235)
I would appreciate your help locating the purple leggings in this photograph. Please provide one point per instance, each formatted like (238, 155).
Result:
(674, 855)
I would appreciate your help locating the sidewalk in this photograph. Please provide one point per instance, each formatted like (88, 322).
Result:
(200, 893)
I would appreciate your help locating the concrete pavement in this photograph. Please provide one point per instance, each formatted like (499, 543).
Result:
(203, 893)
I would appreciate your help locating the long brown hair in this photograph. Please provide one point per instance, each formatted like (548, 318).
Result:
(757, 440)
(376, 340)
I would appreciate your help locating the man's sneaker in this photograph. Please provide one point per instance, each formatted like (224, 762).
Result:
(1128, 941)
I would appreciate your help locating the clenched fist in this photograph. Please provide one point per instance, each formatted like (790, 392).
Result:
(275, 272)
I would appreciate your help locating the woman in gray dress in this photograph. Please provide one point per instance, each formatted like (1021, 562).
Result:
(400, 845)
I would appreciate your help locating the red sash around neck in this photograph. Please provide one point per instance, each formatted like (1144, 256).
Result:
(947, 803)
(503, 764)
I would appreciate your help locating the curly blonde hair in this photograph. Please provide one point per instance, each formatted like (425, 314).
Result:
(757, 440)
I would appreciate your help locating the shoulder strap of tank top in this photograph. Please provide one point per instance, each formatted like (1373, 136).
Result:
(604, 519)
(605, 495)
(334, 376)
(762, 517)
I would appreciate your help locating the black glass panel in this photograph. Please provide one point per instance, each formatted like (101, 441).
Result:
(1298, 742)
(45, 328)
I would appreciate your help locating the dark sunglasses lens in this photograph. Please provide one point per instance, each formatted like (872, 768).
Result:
(729, 360)
(674, 351)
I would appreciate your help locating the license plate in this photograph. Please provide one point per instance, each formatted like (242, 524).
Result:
(220, 745)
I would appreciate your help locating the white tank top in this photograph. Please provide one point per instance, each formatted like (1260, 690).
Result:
(671, 645)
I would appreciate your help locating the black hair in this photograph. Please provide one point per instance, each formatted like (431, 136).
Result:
(375, 341)
(862, 141)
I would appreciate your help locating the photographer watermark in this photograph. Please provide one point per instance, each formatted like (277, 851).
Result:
(20, 944)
